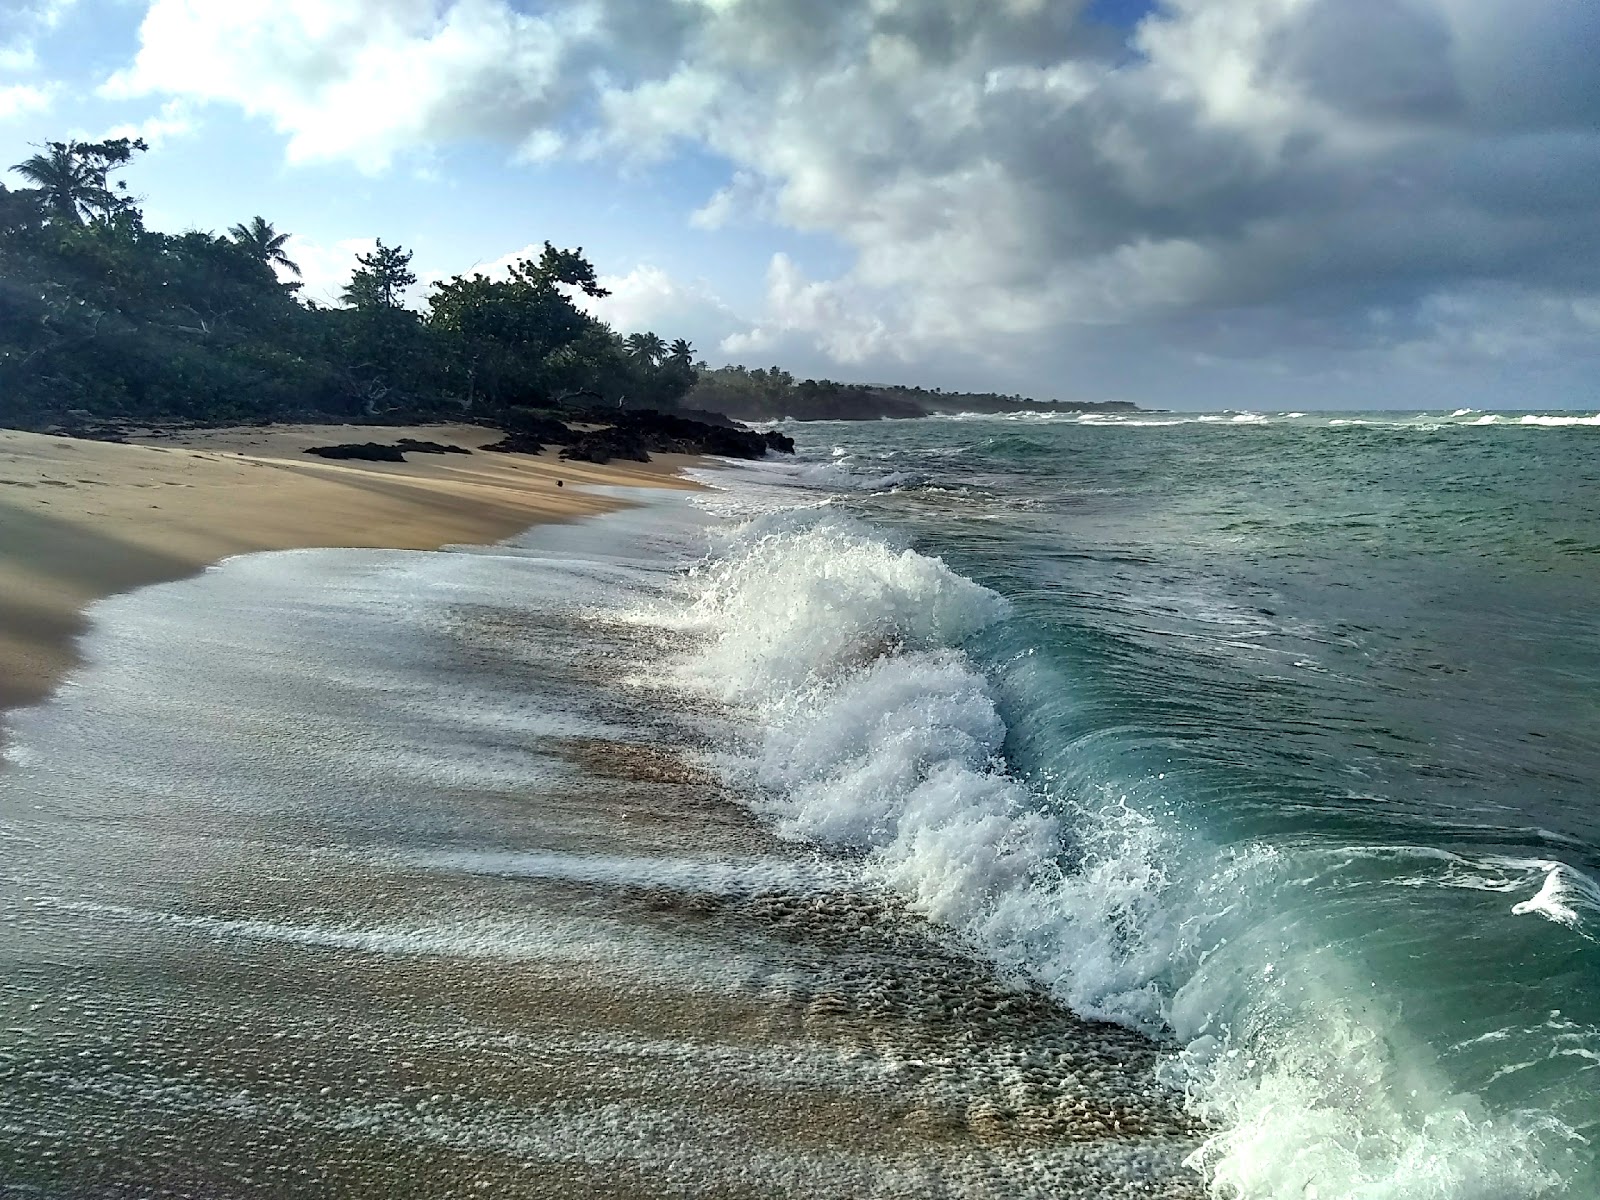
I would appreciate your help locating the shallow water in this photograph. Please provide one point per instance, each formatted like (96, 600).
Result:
(382, 874)
(1275, 735)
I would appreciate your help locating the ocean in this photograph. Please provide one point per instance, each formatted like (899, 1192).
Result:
(1135, 805)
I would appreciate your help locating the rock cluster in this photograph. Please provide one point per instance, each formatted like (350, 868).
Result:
(383, 452)
(633, 434)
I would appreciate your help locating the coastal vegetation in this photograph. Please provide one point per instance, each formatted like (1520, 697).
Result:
(768, 394)
(105, 322)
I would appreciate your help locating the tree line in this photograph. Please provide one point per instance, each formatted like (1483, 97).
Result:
(771, 393)
(103, 318)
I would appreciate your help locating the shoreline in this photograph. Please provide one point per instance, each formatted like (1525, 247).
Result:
(82, 520)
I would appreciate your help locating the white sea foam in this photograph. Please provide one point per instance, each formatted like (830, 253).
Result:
(1563, 898)
(871, 728)
(1558, 421)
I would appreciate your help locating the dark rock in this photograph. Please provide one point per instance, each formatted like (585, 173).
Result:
(603, 445)
(633, 434)
(541, 427)
(412, 446)
(361, 451)
(675, 434)
(516, 443)
(706, 417)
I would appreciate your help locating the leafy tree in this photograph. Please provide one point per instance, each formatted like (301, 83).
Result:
(563, 266)
(646, 348)
(265, 244)
(75, 178)
(104, 319)
(503, 332)
(380, 280)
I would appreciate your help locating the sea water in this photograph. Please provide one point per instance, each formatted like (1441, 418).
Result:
(1273, 737)
(1110, 806)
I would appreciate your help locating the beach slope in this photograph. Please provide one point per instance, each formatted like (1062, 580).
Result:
(80, 520)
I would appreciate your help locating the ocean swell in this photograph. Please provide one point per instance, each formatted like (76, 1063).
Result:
(869, 722)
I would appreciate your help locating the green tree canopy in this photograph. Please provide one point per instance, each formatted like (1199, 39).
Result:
(74, 178)
(380, 280)
(647, 348)
(101, 318)
(265, 244)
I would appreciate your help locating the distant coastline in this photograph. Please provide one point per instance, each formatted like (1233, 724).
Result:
(773, 394)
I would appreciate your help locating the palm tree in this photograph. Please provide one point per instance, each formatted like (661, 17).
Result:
(646, 347)
(264, 244)
(682, 352)
(73, 186)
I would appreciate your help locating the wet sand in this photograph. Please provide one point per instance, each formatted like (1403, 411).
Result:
(391, 884)
(80, 520)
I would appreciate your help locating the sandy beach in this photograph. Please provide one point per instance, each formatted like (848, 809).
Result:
(80, 520)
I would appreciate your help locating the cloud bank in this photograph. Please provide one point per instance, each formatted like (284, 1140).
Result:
(1310, 188)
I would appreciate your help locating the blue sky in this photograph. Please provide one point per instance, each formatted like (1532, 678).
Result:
(1202, 203)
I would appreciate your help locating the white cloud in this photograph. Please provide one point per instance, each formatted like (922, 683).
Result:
(20, 99)
(325, 269)
(648, 298)
(828, 316)
(360, 79)
(174, 120)
(22, 23)
(1007, 175)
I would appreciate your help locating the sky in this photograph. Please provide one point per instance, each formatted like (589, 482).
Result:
(1281, 204)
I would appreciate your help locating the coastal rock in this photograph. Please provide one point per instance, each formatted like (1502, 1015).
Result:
(603, 445)
(359, 451)
(516, 443)
(538, 427)
(634, 434)
(413, 446)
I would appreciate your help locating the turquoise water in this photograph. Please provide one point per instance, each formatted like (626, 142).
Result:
(1295, 763)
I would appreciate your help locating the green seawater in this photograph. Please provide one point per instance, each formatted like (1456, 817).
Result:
(1320, 695)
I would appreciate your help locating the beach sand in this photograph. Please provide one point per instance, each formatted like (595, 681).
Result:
(80, 520)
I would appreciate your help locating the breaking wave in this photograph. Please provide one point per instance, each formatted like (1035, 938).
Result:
(871, 684)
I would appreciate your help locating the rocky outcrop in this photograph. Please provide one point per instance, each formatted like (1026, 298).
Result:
(603, 445)
(516, 443)
(634, 434)
(382, 452)
(360, 452)
(413, 446)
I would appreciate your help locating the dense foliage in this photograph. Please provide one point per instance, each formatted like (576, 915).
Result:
(771, 394)
(104, 319)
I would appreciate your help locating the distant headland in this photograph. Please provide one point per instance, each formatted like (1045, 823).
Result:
(772, 394)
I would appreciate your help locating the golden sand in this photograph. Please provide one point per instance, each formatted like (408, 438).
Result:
(82, 519)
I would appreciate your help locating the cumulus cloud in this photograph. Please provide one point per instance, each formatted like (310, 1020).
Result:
(361, 79)
(832, 316)
(19, 99)
(1227, 172)
(173, 120)
(648, 298)
(325, 268)
(22, 24)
